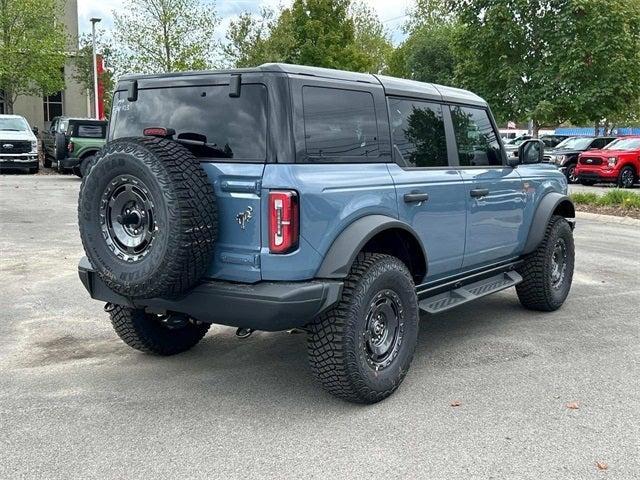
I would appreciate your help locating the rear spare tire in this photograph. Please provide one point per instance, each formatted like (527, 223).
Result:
(147, 217)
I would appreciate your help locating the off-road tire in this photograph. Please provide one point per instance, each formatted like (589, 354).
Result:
(46, 161)
(145, 332)
(185, 214)
(85, 165)
(626, 173)
(536, 291)
(336, 341)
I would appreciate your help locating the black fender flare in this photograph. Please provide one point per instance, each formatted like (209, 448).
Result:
(342, 253)
(89, 152)
(550, 203)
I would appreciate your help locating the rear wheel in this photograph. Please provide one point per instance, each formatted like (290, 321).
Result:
(166, 334)
(627, 177)
(548, 272)
(362, 348)
(148, 218)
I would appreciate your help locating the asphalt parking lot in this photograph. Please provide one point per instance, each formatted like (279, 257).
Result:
(75, 402)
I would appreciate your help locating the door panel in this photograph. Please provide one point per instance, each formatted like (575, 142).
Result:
(495, 199)
(494, 193)
(440, 220)
(430, 194)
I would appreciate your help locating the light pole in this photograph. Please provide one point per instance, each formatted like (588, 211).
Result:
(95, 65)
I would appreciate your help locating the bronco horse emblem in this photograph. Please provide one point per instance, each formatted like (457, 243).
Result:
(243, 217)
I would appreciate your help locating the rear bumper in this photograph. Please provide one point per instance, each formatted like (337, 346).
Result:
(18, 162)
(270, 306)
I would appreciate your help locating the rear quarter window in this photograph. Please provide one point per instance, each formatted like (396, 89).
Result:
(205, 118)
(90, 131)
(339, 125)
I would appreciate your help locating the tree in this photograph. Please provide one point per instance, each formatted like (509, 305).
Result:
(84, 67)
(32, 50)
(427, 55)
(598, 60)
(323, 33)
(247, 39)
(550, 60)
(165, 35)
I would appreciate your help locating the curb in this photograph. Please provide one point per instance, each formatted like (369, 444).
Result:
(608, 219)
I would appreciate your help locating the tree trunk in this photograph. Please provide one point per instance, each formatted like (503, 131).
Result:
(535, 128)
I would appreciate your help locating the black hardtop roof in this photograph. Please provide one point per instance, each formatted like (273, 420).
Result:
(392, 85)
(81, 119)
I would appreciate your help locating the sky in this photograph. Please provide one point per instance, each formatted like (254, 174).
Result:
(391, 12)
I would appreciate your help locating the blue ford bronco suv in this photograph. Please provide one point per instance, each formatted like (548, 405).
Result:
(337, 203)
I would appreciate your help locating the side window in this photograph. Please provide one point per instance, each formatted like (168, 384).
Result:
(598, 143)
(417, 131)
(53, 126)
(339, 123)
(475, 136)
(91, 131)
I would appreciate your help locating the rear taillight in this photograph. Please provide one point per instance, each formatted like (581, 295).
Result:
(283, 221)
(70, 147)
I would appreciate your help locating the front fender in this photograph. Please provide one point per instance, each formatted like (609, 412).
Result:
(550, 203)
(342, 253)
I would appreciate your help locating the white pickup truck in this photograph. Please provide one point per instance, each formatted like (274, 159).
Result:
(18, 144)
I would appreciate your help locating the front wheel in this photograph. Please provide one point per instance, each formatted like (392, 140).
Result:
(166, 334)
(627, 177)
(570, 173)
(547, 273)
(362, 348)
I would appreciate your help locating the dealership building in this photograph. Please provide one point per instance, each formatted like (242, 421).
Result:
(73, 101)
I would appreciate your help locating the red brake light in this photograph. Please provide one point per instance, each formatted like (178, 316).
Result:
(158, 132)
(283, 221)
(70, 147)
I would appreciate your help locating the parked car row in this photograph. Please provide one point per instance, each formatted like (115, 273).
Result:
(589, 160)
(70, 143)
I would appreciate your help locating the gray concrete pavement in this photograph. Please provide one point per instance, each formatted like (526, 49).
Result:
(75, 402)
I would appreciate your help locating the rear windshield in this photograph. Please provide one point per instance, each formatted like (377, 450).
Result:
(205, 118)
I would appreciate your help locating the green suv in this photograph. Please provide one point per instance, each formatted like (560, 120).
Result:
(73, 142)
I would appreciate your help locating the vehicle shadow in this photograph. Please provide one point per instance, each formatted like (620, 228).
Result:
(270, 370)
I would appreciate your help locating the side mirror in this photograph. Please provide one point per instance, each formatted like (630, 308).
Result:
(531, 151)
(35, 131)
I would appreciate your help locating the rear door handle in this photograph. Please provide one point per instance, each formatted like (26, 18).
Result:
(479, 192)
(415, 197)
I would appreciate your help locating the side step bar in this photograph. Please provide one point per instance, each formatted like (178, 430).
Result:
(472, 291)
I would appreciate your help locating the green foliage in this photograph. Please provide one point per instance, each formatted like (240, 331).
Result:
(613, 198)
(32, 49)
(427, 55)
(165, 35)
(323, 33)
(550, 60)
(84, 68)
(598, 58)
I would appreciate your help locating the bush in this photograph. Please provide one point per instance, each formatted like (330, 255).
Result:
(613, 198)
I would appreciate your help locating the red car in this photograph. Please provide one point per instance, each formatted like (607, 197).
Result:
(618, 162)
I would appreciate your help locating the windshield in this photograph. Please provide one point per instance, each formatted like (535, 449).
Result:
(575, 143)
(206, 119)
(14, 124)
(624, 144)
